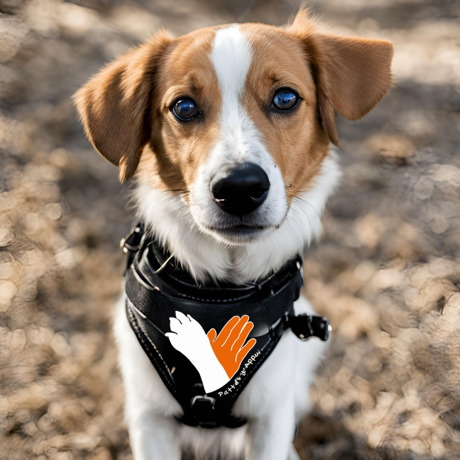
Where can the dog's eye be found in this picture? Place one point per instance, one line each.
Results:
(285, 99)
(185, 109)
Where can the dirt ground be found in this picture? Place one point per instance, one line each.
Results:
(386, 272)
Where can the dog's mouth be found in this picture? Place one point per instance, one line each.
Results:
(240, 232)
(239, 229)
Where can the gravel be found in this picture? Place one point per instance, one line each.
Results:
(386, 272)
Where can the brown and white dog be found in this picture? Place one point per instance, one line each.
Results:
(181, 116)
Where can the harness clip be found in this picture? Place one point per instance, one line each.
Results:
(306, 326)
(203, 411)
(131, 243)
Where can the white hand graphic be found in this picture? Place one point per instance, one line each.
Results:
(188, 337)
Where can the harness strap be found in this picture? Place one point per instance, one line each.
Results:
(199, 409)
(155, 289)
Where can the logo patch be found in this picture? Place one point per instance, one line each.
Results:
(217, 357)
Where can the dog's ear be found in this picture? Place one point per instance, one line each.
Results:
(352, 74)
(114, 105)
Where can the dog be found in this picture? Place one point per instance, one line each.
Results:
(227, 133)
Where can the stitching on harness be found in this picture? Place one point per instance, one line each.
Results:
(143, 337)
(233, 299)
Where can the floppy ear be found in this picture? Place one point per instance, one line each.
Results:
(114, 105)
(352, 74)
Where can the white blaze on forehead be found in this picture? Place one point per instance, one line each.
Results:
(238, 141)
(231, 57)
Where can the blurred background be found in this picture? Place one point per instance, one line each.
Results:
(386, 272)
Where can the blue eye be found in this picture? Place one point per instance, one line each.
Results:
(185, 109)
(285, 99)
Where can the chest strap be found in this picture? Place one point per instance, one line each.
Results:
(156, 289)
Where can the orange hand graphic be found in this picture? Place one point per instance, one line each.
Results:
(228, 346)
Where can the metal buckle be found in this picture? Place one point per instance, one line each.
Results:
(203, 411)
(131, 242)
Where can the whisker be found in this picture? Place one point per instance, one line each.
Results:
(305, 212)
(306, 202)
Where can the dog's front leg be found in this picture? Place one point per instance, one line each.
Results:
(271, 439)
(154, 438)
(149, 407)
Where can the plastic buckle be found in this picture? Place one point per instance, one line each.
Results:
(306, 326)
(321, 327)
(203, 411)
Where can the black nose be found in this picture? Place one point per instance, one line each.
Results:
(242, 191)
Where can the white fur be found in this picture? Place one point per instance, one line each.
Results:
(277, 396)
(204, 257)
(239, 141)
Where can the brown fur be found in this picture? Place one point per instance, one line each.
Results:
(352, 74)
(114, 105)
(127, 106)
(296, 140)
(176, 149)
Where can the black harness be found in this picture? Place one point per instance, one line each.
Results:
(156, 288)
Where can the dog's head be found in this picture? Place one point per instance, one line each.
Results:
(236, 119)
